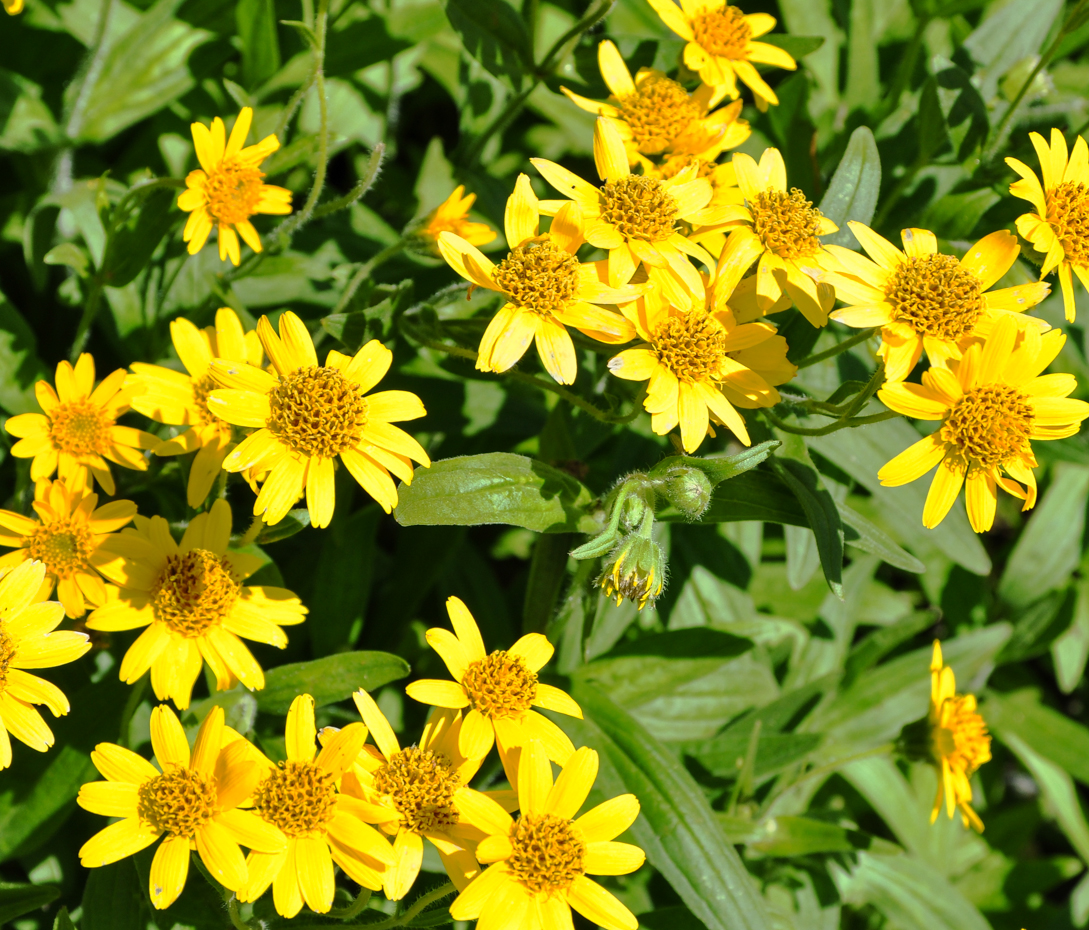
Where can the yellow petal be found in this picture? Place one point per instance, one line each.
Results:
(168, 738)
(300, 733)
(169, 869)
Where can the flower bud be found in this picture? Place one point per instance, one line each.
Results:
(687, 489)
(635, 570)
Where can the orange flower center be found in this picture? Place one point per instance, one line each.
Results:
(202, 387)
(80, 428)
(691, 345)
(658, 113)
(179, 801)
(500, 685)
(547, 856)
(989, 425)
(675, 164)
(539, 276)
(1068, 214)
(421, 783)
(233, 191)
(194, 592)
(936, 296)
(723, 32)
(639, 207)
(317, 412)
(961, 738)
(298, 797)
(65, 546)
(787, 224)
(7, 653)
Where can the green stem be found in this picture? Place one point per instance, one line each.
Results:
(355, 908)
(90, 311)
(364, 184)
(831, 427)
(502, 120)
(398, 920)
(236, 918)
(136, 695)
(904, 71)
(839, 347)
(828, 769)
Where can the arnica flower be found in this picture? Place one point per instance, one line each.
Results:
(542, 860)
(66, 539)
(78, 430)
(452, 216)
(990, 404)
(635, 217)
(300, 798)
(191, 598)
(230, 188)
(720, 44)
(181, 398)
(28, 640)
(636, 570)
(1060, 226)
(924, 300)
(498, 689)
(192, 803)
(306, 415)
(546, 288)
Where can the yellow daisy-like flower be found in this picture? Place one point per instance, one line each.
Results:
(28, 640)
(1060, 226)
(959, 743)
(66, 539)
(635, 217)
(192, 803)
(452, 216)
(13, 6)
(191, 598)
(925, 300)
(546, 287)
(230, 188)
(720, 45)
(542, 860)
(305, 415)
(990, 404)
(498, 689)
(78, 430)
(181, 399)
(300, 798)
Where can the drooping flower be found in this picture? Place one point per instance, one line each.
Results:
(990, 403)
(546, 287)
(1060, 226)
(636, 570)
(925, 300)
(192, 803)
(191, 598)
(65, 538)
(300, 798)
(541, 860)
(452, 216)
(721, 46)
(230, 188)
(498, 690)
(305, 415)
(181, 399)
(78, 430)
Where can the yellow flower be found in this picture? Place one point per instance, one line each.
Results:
(191, 598)
(13, 6)
(66, 539)
(300, 798)
(959, 743)
(546, 288)
(192, 802)
(656, 116)
(78, 430)
(541, 860)
(230, 189)
(499, 689)
(635, 217)
(450, 216)
(720, 44)
(990, 404)
(28, 640)
(1060, 226)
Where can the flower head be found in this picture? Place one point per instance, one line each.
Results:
(990, 403)
(230, 188)
(191, 598)
(78, 431)
(636, 570)
(452, 216)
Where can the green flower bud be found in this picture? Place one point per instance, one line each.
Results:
(914, 742)
(687, 489)
(635, 570)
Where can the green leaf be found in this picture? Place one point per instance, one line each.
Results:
(132, 244)
(493, 34)
(20, 366)
(954, 216)
(16, 899)
(805, 836)
(721, 467)
(754, 495)
(26, 123)
(932, 132)
(1038, 626)
(260, 45)
(114, 899)
(1009, 33)
(1050, 733)
(882, 641)
(330, 679)
(63, 921)
(796, 46)
(1070, 650)
(852, 192)
(547, 571)
(70, 254)
(862, 534)
(774, 751)
(295, 522)
(362, 43)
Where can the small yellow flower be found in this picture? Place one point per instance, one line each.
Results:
(299, 797)
(1060, 226)
(78, 431)
(546, 287)
(66, 539)
(542, 860)
(720, 45)
(230, 188)
(191, 598)
(13, 6)
(452, 216)
(636, 570)
(500, 690)
(192, 802)
(305, 415)
(990, 404)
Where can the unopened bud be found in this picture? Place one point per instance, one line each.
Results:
(635, 570)
(687, 489)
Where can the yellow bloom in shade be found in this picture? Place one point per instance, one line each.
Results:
(990, 404)
(925, 300)
(959, 742)
(191, 598)
(305, 415)
(28, 640)
(13, 6)
(230, 188)
(498, 689)
(546, 288)
(1060, 226)
(452, 216)
(542, 860)
(181, 398)
(66, 539)
(720, 44)
(300, 798)
(192, 803)
(78, 430)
